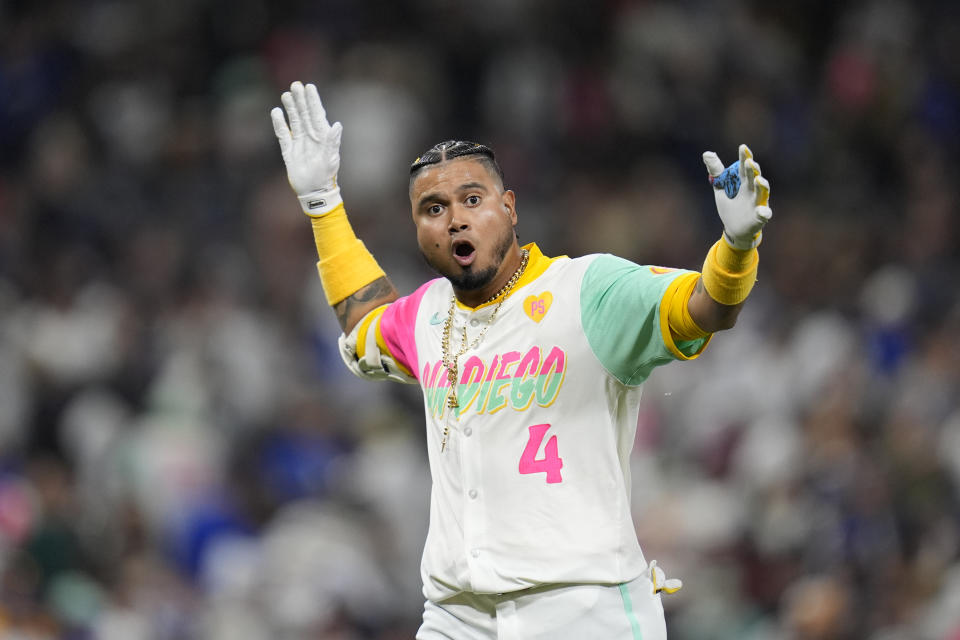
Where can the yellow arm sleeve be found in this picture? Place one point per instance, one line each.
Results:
(345, 265)
(371, 323)
(674, 304)
(372, 318)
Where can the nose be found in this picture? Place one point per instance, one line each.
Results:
(457, 221)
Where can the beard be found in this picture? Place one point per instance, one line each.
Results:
(470, 279)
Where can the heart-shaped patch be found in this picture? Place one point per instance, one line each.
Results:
(537, 306)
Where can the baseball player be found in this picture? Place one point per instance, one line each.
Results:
(531, 369)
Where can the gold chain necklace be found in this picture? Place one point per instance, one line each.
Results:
(451, 362)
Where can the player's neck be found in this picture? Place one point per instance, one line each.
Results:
(507, 270)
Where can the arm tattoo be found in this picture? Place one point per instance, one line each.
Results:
(379, 288)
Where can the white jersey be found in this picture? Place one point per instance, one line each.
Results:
(533, 485)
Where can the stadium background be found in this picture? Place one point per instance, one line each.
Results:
(182, 454)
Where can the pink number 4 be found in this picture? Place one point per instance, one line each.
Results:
(550, 463)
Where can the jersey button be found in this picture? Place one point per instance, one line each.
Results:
(468, 431)
(473, 494)
(474, 322)
(475, 553)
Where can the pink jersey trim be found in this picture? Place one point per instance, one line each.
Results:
(398, 326)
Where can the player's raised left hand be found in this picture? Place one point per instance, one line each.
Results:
(310, 148)
(742, 196)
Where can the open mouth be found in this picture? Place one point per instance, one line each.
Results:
(464, 252)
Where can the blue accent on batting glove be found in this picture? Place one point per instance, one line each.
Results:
(729, 180)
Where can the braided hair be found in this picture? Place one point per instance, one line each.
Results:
(451, 149)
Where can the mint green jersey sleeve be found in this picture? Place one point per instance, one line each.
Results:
(620, 314)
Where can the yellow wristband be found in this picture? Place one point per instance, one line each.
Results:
(345, 265)
(729, 274)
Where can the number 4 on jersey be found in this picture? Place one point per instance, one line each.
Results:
(550, 463)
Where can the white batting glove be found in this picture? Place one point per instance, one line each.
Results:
(310, 149)
(742, 196)
(661, 583)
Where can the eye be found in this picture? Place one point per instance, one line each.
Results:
(434, 210)
(473, 200)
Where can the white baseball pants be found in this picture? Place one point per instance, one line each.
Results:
(629, 611)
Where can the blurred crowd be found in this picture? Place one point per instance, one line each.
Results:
(182, 454)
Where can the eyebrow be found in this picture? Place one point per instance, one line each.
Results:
(436, 197)
(472, 185)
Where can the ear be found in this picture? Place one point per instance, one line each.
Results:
(510, 205)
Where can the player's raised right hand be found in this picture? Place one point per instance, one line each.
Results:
(310, 147)
(742, 196)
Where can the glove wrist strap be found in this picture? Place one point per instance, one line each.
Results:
(321, 202)
(743, 244)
